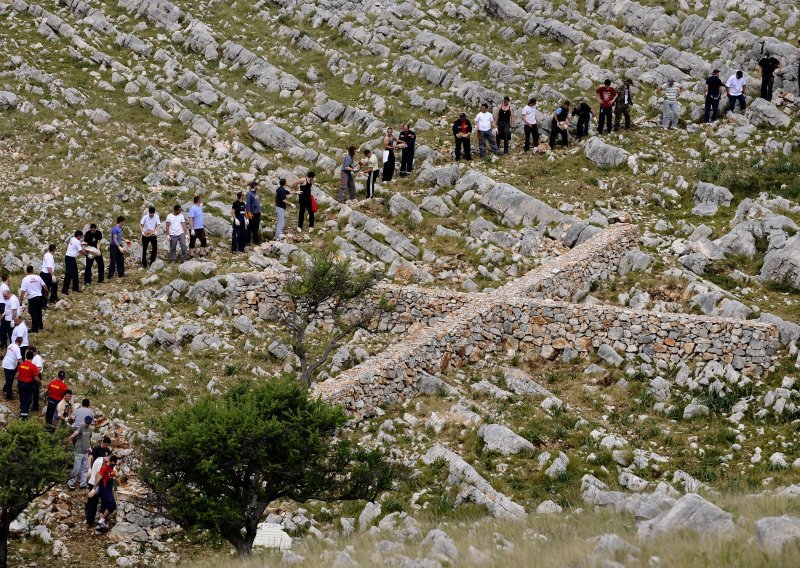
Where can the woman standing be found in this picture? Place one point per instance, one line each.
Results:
(303, 185)
(239, 223)
(409, 138)
(389, 143)
(505, 122)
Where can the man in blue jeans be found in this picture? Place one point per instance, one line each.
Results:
(484, 120)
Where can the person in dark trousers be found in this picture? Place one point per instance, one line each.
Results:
(281, 203)
(38, 360)
(55, 392)
(409, 138)
(737, 87)
(48, 273)
(623, 105)
(607, 95)
(150, 224)
(559, 121)
(372, 171)
(27, 376)
(504, 118)
(96, 461)
(303, 189)
(33, 288)
(92, 238)
(105, 488)
(11, 361)
(347, 185)
(239, 224)
(462, 130)
(768, 68)
(117, 261)
(74, 250)
(713, 90)
(584, 113)
(389, 143)
(531, 127)
(252, 208)
(197, 227)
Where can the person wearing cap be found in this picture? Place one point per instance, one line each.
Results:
(462, 129)
(27, 376)
(623, 105)
(239, 224)
(177, 230)
(713, 92)
(96, 461)
(11, 361)
(55, 392)
(81, 413)
(252, 207)
(32, 289)
(736, 86)
(149, 227)
(93, 238)
(105, 488)
(81, 439)
(768, 68)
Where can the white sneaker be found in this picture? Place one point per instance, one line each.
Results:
(299, 229)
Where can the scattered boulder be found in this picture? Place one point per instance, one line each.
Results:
(689, 512)
(762, 112)
(604, 155)
(498, 438)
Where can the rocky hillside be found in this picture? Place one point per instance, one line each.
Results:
(560, 388)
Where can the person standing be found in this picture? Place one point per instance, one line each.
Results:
(737, 86)
(371, 171)
(48, 274)
(389, 143)
(485, 123)
(409, 138)
(607, 95)
(303, 185)
(81, 413)
(623, 105)
(176, 229)
(281, 202)
(93, 238)
(11, 361)
(11, 309)
(105, 486)
(197, 228)
(559, 121)
(252, 206)
(584, 113)
(149, 227)
(38, 360)
(81, 439)
(21, 331)
(462, 130)
(97, 458)
(713, 91)
(768, 67)
(669, 107)
(504, 118)
(239, 224)
(74, 249)
(117, 248)
(346, 181)
(63, 415)
(27, 376)
(530, 126)
(4, 333)
(32, 288)
(56, 390)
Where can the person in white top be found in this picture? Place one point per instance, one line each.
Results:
(33, 288)
(531, 127)
(484, 120)
(48, 274)
(5, 333)
(11, 360)
(11, 310)
(737, 86)
(150, 224)
(37, 360)
(74, 250)
(177, 230)
(21, 331)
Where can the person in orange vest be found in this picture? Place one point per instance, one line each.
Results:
(27, 377)
(55, 394)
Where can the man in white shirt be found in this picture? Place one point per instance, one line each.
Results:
(150, 224)
(48, 274)
(10, 313)
(177, 229)
(33, 288)
(11, 360)
(484, 120)
(74, 250)
(737, 86)
(37, 360)
(531, 127)
(5, 333)
(20, 331)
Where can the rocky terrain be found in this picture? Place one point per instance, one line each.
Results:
(593, 355)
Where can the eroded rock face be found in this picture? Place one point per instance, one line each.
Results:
(689, 512)
(603, 154)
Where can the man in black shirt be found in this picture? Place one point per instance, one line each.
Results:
(409, 138)
(462, 129)
(584, 113)
(768, 67)
(714, 89)
(92, 238)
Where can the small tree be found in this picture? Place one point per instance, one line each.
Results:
(328, 291)
(31, 462)
(219, 463)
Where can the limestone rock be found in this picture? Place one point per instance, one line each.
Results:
(763, 112)
(689, 512)
(773, 533)
(604, 155)
(499, 438)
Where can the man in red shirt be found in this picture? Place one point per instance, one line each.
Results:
(27, 376)
(105, 487)
(607, 95)
(55, 394)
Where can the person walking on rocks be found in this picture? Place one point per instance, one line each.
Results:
(55, 392)
(117, 250)
(584, 113)
(252, 209)
(305, 199)
(737, 86)
(48, 273)
(27, 377)
(5, 329)
(559, 122)
(21, 331)
(97, 458)
(33, 288)
(484, 120)
(623, 105)
(607, 95)
(105, 487)
(281, 202)
(239, 224)
(150, 224)
(768, 67)
(504, 118)
(713, 91)
(11, 361)
(93, 238)
(81, 439)
(197, 228)
(372, 171)
(409, 140)
(530, 126)
(11, 309)
(347, 184)
(389, 143)
(462, 130)
(80, 413)
(670, 91)
(74, 249)
(63, 416)
(177, 229)
(38, 360)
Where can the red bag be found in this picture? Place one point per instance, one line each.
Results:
(314, 206)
